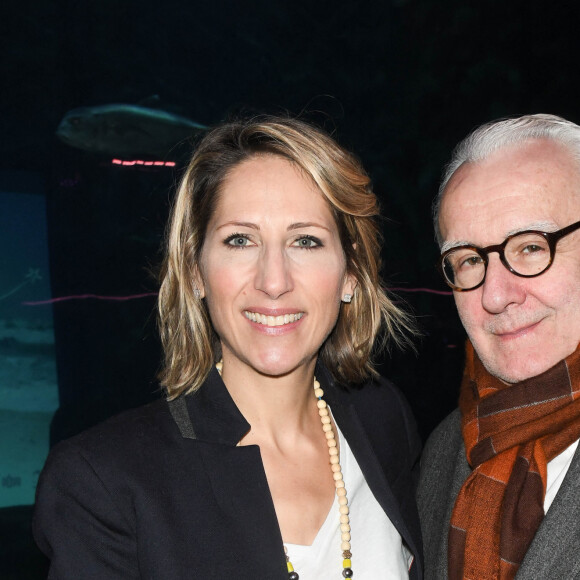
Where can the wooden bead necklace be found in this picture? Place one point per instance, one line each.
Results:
(338, 483)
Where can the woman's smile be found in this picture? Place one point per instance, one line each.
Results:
(269, 320)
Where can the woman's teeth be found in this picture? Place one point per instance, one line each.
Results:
(273, 320)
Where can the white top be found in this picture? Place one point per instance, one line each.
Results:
(377, 547)
(557, 469)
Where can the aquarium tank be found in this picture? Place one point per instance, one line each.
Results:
(28, 380)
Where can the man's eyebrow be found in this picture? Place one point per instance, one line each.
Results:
(454, 244)
(543, 226)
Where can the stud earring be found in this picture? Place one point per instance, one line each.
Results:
(347, 298)
(197, 293)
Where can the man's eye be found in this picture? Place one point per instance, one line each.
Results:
(469, 261)
(532, 249)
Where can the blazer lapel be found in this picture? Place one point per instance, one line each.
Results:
(236, 475)
(240, 487)
(444, 469)
(350, 424)
(461, 472)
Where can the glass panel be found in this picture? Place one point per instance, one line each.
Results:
(28, 384)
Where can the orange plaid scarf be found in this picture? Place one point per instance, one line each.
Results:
(510, 434)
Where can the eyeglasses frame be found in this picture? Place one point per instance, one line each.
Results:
(552, 238)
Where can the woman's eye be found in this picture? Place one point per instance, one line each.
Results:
(237, 241)
(307, 242)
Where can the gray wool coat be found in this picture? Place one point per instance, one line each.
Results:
(555, 551)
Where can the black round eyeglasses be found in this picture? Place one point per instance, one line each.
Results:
(526, 254)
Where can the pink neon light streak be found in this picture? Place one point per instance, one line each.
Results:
(85, 296)
(144, 163)
(147, 294)
(426, 290)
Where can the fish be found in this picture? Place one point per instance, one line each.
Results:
(124, 129)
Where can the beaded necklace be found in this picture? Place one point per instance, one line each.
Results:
(338, 483)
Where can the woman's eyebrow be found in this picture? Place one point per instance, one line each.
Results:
(299, 225)
(239, 224)
(253, 226)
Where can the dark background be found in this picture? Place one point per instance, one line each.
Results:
(399, 82)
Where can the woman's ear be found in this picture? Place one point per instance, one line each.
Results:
(350, 283)
(198, 286)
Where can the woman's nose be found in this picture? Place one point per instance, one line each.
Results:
(273, 275)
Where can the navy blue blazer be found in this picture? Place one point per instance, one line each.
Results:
(163, 492)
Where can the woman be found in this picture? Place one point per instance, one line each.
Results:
(278, 452)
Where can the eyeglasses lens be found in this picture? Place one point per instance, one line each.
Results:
(464, 268)
(528, 254)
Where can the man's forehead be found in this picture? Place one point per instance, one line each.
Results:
(535, 186)
(540, 225)
(531, 160)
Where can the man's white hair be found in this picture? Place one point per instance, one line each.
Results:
(493, 136)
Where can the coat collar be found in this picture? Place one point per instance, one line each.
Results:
(214, 414)
(216, 418)
(549, 554)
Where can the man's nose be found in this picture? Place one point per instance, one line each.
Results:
(273, 276)
(501, 288)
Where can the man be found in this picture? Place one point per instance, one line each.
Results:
(499, 495)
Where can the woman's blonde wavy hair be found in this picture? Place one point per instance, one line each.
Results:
(190, 344)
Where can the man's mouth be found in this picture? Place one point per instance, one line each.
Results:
(273, 320)
(513, 332)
